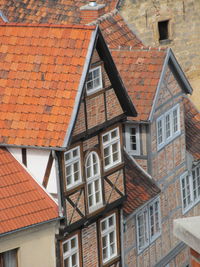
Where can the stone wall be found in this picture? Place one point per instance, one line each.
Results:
(183, 29)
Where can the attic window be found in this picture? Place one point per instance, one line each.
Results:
(163, 28)
(94, 80)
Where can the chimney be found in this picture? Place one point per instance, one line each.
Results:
(91, 12)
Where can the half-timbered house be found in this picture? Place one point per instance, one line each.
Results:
(62, 108)
(156, 140)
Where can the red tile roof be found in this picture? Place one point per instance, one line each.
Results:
(116, 32)
(40, 71)
(22, 201)
(192, 128)
(139, 187)
(140, 71)
(56, 12)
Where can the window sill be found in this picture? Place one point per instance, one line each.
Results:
(186, 210)
(165, 42)
(113, 168)
(74, 188)
(167, 142)
(111, 261)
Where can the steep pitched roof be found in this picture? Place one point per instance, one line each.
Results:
(116, 32)
(55, 12)
(139, 187)
(22, 201)
(41, 67)
(140, 71)
(192, 128)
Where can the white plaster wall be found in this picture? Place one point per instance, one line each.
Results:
(16, 152)
(37, 160)
(36, 246)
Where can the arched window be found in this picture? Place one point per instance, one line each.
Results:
(93, 177)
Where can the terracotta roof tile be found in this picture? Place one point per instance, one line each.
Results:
(22, 201)
(137, 69)
(45, 11)
(139, 187)
(192, 127)
(33, 94)
(116, 32)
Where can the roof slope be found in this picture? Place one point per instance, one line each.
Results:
(116, 32)
(22, 201)
(56, 12)
(139, 187)
(40, 71)
(140, 71)
(192, 127)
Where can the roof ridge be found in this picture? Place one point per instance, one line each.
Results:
(48, 25)
(143, 48)
(104, 17)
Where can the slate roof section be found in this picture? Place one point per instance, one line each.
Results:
(192, 128)
(140, 71)
(116, 32)
(139, 187)
(40, 71)
(51, 11)
(22, 201)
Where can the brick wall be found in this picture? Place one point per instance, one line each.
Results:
(195, 258)
(143, 16)
(168, 164)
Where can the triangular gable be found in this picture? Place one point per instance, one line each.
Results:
(178, 73)
(99, 44)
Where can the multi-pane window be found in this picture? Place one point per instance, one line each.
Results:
(168, 126)
(148, 224)
(71, 252)
(72, 167)
(9, 258)
(196, 183)
(133, 139)
(94, 80)
(94, 190)
(154, 219)
(108, 238)
(186, 191)
(142, 228)
(111, 148)
(190, 187)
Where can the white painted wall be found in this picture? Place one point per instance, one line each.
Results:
(36, 245)
(37, 160)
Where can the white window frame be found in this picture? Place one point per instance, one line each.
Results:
(190, 189)
(9, 257)
(97, 88)
(72, 251)
(128, 139)
(162, 120)
(109, 145)
(91, 180)
(70, 162)
(196, 181)
(147, 224)
(107, 234)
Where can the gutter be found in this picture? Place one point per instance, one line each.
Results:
(31, 226)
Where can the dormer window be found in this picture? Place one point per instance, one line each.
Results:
(94, 80)
(133, 139)
(72, 167)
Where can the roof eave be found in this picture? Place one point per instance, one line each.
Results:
(80, 90)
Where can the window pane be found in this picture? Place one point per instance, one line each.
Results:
(111, 221)
(66, 246)
(74, 260)
(114, 134)
(73, 243)
(66, 262)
